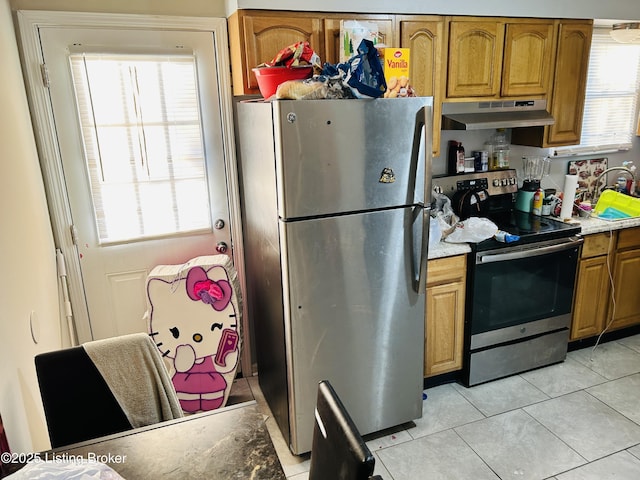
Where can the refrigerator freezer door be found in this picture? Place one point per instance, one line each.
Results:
(337, 156)
(353, 317)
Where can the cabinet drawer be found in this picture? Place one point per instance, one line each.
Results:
(446, 269)
(629, 238)
(598, 244)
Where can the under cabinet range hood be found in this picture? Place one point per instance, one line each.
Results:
(495, 114)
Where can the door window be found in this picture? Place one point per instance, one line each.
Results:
(141, 129)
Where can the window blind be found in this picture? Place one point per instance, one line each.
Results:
(609, 120)
(144, 153)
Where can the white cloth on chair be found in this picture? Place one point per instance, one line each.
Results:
(134, 371)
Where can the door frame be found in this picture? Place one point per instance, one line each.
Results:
(29, 23)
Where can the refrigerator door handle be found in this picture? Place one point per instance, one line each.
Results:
(421, 132)
(421, 282)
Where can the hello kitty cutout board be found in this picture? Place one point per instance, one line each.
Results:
(194, 317)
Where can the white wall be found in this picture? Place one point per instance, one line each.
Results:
(196, 8)
(610, 9)
(28, 283)
(616, 9)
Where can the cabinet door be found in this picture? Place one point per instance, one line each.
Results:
(426, 38)
(626, 309)
(444, 330)
(444, 320)
(475, 58)
(256, 38)
(333, 41)
(591, 298)
(528, 60)
(569, 85)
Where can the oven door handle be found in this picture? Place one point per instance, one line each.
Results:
(488, 257)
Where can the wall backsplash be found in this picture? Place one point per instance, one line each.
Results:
(475, 139)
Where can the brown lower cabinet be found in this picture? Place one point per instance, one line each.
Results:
(608, 283)
(444, 322)
(626, 280)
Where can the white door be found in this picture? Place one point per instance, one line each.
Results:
(138, 121)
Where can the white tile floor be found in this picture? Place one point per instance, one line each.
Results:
(578, 420)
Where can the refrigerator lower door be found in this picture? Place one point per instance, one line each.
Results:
(353, 317)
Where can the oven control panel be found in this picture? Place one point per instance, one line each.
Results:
(473, 184)
(495, 182)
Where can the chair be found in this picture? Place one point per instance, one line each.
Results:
(338, 452)
(104, 387)
(78, 403)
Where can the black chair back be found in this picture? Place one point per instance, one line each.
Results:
(78, 403)
(338, 452)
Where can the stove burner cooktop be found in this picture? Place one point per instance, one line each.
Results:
(531, 228)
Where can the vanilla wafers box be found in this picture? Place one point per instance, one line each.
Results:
(395, 62)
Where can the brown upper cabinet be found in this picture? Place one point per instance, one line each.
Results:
(496, 57)
(475, 57)
(426, 37)
(452, 58)
(569, 83)
(528, 58)
(257, 37)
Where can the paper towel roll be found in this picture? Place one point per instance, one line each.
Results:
(568, 196)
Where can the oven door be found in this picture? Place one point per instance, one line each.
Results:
(522, 291)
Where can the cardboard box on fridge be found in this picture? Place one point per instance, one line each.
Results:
(352, 32)
(395, 62)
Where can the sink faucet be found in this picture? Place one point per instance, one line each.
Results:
(626, 170)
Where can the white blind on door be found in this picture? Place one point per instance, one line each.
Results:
(143, 146)
(611, 98)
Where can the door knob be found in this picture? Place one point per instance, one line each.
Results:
(222, 247)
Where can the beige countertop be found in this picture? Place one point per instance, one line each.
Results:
(588, 225)
(595, 225)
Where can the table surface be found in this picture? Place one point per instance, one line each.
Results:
(229, 443)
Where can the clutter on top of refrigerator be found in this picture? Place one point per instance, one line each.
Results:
(362, 74)
(294, 62)
(371, 70)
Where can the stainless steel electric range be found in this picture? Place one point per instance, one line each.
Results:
(519, 295)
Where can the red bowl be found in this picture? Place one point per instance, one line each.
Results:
(270, 77)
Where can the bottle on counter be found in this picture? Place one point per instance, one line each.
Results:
(538, 199)
(455, 158)
(499, 159)
(481, 160)
(488, 147)
(452, 157)
(460, 166)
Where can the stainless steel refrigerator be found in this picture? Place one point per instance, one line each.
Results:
(335, 227)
